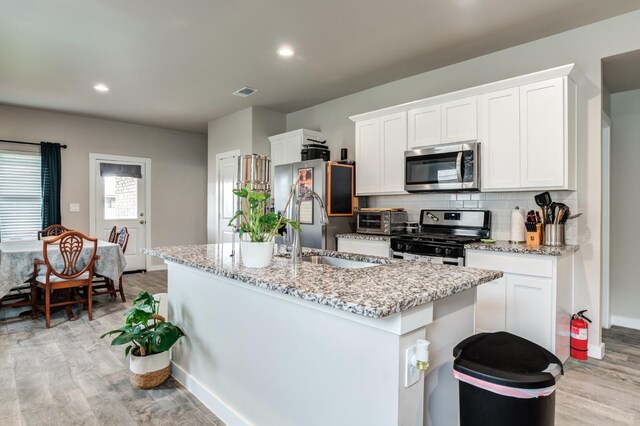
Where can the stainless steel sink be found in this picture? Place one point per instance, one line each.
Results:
(337, 262)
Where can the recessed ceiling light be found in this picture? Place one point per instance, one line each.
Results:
(286, 51)
(101, 87)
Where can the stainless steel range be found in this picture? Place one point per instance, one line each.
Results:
(442, 236)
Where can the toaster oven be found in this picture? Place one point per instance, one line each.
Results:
(381, 222)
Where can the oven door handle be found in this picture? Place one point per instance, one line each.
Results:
(459, 166)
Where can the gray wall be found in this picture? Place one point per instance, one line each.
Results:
(178, 167)
(584, 46)
(246, 130)
(625, 204)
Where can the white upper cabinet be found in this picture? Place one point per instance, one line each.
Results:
(368, 159)
(393, 131)
(526, 127)
(285, 147)
(499, 126)
(380, 146)
(542, 133)
(424, 127)
(460, 120)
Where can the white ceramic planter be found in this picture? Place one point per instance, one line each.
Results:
(257, 255)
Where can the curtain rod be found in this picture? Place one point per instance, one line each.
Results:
(28, 143)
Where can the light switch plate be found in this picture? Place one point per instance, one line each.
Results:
(411, 374)
(74, 207)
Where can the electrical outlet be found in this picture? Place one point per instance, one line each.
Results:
(411, 374)
(74, 207)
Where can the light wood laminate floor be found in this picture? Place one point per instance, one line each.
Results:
(66, 375)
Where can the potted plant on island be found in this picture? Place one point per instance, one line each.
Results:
(149, 338)
(257, 228)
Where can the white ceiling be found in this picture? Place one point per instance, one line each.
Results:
(175, 63)
(622, 72)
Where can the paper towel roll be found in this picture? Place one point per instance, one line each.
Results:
(517, 226)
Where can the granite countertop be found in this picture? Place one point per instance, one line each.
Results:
(368, 237)
(393, 286)
(507, 247)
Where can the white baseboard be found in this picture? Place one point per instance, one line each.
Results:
(623, 321)
(152, 268)
(596, 351)
(210, 400)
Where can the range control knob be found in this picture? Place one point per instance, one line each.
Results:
(448, 252)
(438, 250)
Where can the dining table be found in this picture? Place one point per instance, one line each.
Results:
(17, 257)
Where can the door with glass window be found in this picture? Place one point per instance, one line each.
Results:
(120, 201)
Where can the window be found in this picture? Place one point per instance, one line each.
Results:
(20, 196)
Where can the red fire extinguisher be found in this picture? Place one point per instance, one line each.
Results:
(579, 335)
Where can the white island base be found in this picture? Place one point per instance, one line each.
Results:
(254, 356)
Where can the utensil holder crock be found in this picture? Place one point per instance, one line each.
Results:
(554, 235)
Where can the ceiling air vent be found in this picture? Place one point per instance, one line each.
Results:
(245, 91)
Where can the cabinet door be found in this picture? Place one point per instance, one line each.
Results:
(542, 134)
(529, 313)
(499, 124)
(460, 120)
(393, 131)
(424, 127)
(279, 153)
(368, 157)
(491, 299)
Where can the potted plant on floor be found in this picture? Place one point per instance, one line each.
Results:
(257, 228)
(149, 338)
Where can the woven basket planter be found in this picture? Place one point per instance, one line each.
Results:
(149, 371)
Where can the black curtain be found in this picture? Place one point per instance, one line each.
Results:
(50, 181)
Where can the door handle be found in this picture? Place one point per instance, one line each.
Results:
(142, 222)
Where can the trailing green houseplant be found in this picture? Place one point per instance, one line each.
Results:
(259, 225)
(148, 338)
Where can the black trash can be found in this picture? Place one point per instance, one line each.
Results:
(505, 380)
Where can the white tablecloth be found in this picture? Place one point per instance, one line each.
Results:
(16, 261)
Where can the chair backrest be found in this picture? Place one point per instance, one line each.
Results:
(122, 239)
(113, 234)
(52, 231)
(70, 244)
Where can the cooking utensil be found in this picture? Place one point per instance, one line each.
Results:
(543, 199)
(561, 214)
(574, 216)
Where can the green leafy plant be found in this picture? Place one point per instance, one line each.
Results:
(145, 331)
(260, 226)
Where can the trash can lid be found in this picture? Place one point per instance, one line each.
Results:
(508, 360)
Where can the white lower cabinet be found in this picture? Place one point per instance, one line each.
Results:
(364, 247)
(534, 298)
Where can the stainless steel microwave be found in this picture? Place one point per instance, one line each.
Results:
(451, 167)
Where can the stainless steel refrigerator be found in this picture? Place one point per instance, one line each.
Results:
(334, 183)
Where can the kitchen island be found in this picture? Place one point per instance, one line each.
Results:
(318, 344)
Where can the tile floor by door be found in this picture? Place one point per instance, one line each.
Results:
(68, 376)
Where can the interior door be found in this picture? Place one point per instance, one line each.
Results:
(227, 175)
(120, 201)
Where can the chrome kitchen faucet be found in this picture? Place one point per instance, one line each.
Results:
(297, 249)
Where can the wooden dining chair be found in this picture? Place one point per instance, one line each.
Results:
(103, 285)
(71, 275)
(52, 231)
(113, 234)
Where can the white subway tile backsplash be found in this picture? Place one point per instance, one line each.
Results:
(500, 204)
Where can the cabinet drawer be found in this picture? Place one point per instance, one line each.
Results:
(523, 264)
(365, 247)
